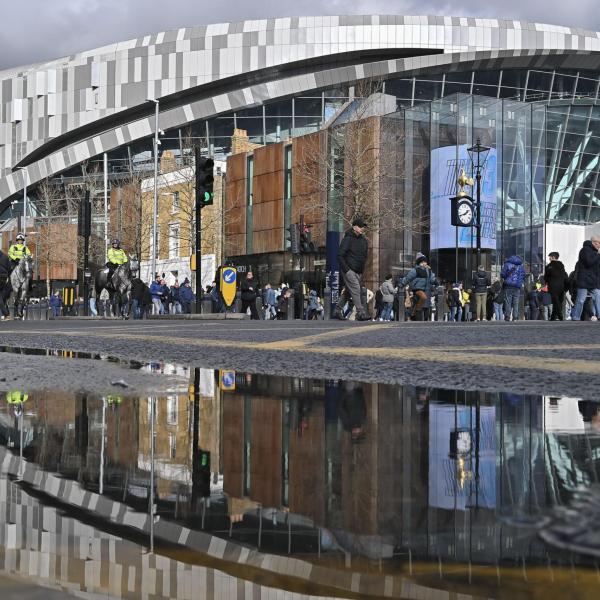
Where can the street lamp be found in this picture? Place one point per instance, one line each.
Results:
(478, 164)
(155, 209)
(24, 172)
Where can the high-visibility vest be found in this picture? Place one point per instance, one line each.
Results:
(18, 251)
(117, 256)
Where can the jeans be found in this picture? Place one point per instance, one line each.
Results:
(511, 303)
(386, 313)
(456, 313)
(175, 308)
(93, 311)
(55, 311)
(498, 311)
(136, 309)
(157, 306)
(581, 296)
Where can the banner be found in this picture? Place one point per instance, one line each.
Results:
(446, 163)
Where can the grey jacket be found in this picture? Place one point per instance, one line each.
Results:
(388, 290)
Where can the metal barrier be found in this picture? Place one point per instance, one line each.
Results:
(37, 312)
(401, 310)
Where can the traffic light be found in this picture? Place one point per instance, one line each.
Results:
(294, 238)
(306, 244)
(84, 217)
(204, 473)
(204, 179)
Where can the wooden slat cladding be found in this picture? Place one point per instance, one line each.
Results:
(268, 192)
(309, 168)
(235, 205)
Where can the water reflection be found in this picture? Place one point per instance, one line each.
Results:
(349, 477)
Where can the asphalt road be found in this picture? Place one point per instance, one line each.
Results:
(523, 357)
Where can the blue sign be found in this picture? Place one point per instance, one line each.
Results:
(227, 380)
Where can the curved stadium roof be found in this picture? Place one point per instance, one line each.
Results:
(60, 113)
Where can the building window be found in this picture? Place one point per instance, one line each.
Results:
(175, 206)
(174, 232)
(172, 445)
(171, 410)
(287, 191)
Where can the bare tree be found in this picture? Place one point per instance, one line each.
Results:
(359, 169)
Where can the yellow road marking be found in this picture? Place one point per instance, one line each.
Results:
(424, 354)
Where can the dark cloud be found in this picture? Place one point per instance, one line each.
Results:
(38, 30)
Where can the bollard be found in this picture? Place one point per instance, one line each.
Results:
(439, 304)
(259, 308)
(237, 304)
(291, 306)
(207, 305)
(327, 303)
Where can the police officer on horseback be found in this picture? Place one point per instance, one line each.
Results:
(18, 250)
(116, 257)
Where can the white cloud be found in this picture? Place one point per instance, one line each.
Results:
(36, 30)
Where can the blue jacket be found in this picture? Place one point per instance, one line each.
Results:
(186, 294)
(156, 290)
(56, 301)
(270, 299)
(419, 278)
(513, 272)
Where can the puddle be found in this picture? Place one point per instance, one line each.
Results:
(310, 487)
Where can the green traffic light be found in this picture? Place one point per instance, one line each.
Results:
(208, 198)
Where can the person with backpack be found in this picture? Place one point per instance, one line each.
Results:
(421, 280)
(481, 282)
(513, 275)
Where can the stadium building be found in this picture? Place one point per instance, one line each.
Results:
(530, 91)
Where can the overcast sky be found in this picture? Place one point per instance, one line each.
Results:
(37, 30)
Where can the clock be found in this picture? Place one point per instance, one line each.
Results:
(464, 212)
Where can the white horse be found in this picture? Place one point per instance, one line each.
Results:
(19, 282)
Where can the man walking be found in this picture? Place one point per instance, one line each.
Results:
(421, 280)
(557, 280)
(513, 275)
(352, 256)
(248, 289)
(588, 276)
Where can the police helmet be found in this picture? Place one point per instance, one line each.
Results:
(116, 242)
(21, 236)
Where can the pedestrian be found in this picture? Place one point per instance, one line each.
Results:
(4, 276)
(314, 310)
(175, 302)
(105, 303)
(545, 303)
(481, 282)
(186, 297)
(138, 287)
(388, 291)
(56, 304)
(352, 257)
(248, 289)
(534, 302)
(557, 280)
(165, 297)
(156, 291)
(92, 303)
(216, 300)
(512, 275)
(269, 302)
(457, 302)
(587, 277)
(282, 303)
(408, 302)
(467, 305)
(498, 299)
(421, 280)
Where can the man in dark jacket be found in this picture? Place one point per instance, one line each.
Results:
(248, 289)
(4, 275)
(421, 280)
(588, 276)
(557, 280)
(138, 287)
(352, 256)
(513, 275)
(481, 282)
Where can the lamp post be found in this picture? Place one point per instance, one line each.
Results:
(24, 172)
(479, 150)
(155, 208)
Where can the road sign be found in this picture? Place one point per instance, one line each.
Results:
(227, 380)
(228, 284)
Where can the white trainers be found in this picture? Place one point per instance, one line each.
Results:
(594, 318)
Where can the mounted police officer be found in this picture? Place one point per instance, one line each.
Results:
(116, 257)
(18, 250)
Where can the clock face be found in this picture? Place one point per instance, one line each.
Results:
(465, 213)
